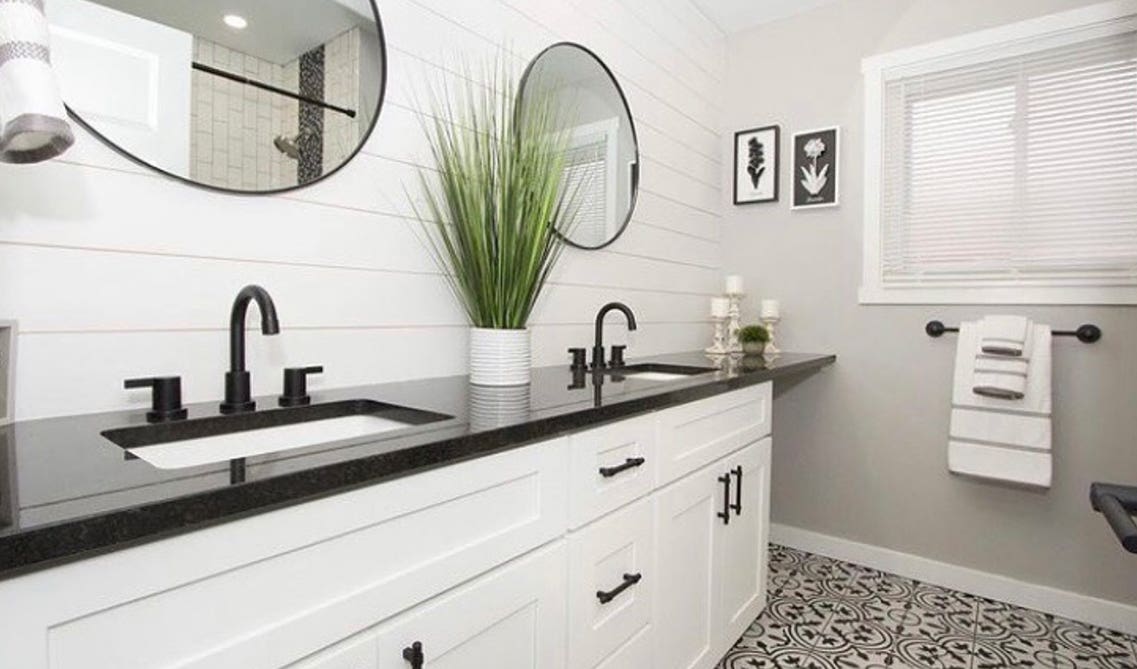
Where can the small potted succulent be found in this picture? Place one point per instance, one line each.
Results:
(753, 338)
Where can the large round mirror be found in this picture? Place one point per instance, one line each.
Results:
(252, 96)
(603, 162)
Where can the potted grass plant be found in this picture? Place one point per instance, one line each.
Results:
(491, 210)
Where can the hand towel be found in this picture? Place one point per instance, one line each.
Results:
(1002, 439)
(33, 121)
(1004, 335)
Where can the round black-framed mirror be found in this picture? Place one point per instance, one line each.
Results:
(249, 97)
(604, 158)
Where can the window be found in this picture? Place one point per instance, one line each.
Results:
(1001, 167)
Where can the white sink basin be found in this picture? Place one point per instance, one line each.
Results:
(657, 376)
(225, 447)
(204, 441)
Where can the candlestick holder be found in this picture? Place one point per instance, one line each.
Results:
(734, 326)
(771, 350)
(719, 345)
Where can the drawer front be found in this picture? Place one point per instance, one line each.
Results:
(696, 434)
(609, 467)
(287, 605)
(610, 583)
(358, 652)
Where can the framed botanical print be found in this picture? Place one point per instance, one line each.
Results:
(756, 164)
(815, 177)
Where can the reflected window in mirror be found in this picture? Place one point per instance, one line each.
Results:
(602, 164)
(251, 96)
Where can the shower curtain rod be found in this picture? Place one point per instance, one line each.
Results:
(209, 69)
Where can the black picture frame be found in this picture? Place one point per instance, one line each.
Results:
(749, 188)
(816, 173)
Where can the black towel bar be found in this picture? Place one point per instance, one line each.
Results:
(1087, 334)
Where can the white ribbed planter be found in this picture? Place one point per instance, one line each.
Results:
(499, 357)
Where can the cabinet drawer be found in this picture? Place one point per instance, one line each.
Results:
(696, 434)
(610, 583)
(609, 467)
(358, 652)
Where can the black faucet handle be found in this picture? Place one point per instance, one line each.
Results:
(618, 356)
(296, 386)
(579, 358)
(166, 397)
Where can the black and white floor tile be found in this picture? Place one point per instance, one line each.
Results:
(827, 614)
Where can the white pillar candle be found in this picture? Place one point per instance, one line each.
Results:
(771, 309)
(720, 307)
(734, 284)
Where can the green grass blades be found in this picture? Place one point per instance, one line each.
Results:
(496, 199)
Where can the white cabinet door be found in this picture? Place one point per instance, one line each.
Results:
(357, 652)
(741, 544)
(610, 584)
(511, 618)
(684, 613)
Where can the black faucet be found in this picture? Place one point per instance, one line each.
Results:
(238, 398)
(598, 349)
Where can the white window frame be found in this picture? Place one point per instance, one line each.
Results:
(1051, 31)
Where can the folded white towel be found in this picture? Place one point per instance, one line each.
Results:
(1003, 335)
(33, 121)
(998, 376)
(1002, 439)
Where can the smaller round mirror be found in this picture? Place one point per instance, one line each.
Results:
(602, 166)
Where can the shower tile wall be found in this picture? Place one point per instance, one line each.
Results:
(341, 88)
(234, 125)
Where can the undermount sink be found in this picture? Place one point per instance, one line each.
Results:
(652, 371)
(203, 441)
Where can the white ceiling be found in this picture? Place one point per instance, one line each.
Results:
(736, 15)
(279, 30)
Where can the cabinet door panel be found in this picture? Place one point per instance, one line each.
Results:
(683, 613)
(635, 654)
(510, 618)
(742, 544)
(601, 556)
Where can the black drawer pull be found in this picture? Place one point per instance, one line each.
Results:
(414, 655)
(725, 513)
(629, 581)
(737, 506)
(630, 463)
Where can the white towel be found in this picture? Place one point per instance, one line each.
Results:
(1002, 376)
(1002, 439)
(33, 121)
(1003, 335)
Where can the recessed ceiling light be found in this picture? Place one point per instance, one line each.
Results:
(236, 22)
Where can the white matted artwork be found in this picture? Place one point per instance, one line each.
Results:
(756, 165)
(815, 174)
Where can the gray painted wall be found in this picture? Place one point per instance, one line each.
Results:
(861, 448)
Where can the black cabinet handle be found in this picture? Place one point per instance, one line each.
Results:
(414, 655)
(737, 506)
(725, 513)
(630, 463)
(629, 581)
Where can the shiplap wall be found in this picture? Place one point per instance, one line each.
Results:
(114, 272)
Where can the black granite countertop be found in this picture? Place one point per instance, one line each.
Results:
(68, 493)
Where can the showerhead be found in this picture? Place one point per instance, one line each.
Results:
(289, 146)
(292, 145)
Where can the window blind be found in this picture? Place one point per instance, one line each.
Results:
(1017, 171)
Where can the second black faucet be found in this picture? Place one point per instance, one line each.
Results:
(598, 361)
(238, 396)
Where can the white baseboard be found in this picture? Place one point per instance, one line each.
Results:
(1092, 610)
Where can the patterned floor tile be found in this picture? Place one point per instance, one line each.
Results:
(828, 614)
